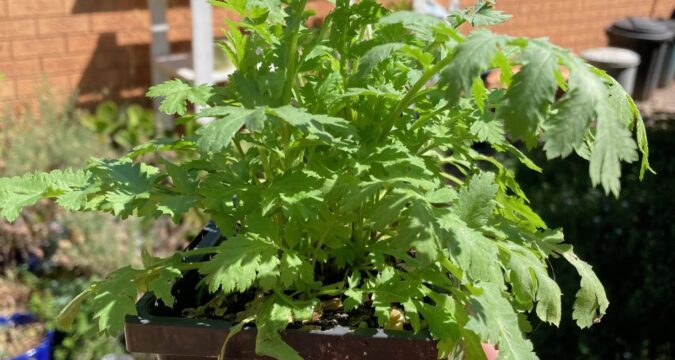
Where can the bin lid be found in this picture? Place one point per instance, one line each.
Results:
(643, 28)
(611, 57)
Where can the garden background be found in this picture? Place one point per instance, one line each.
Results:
(73, 74)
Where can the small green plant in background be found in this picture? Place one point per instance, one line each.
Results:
(125, 127)
(68, 250)
(324, 169)
(49, 295)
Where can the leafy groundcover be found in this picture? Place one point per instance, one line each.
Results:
(323, 163)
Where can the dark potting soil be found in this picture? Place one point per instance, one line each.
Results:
(193, 301)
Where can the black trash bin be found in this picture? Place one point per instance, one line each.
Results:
(649, 38)
(668, 70)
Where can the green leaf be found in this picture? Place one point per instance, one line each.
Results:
(476, 200)
(488, 128)
(389, 209)
(567, 126)
(374, 56)
(115, 298)
(472, 57)
(64, 320)
(159, 145)
(643, 145)
(613, 140)
(495, 320)
(217, 135)
(419, 230)
(21, 191)
(420, 25)
(322, 127)
(484, 14)
(475, 254)
(176, 93)
(162, 285)
(591, 301)
(236, 266)
(442, 324)
(479, 93)
(531, 93)
(275, 314)
(295, 270)
(530, 281)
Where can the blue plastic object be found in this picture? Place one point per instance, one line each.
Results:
(43, 350)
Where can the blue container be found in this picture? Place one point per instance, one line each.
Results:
(43, 351)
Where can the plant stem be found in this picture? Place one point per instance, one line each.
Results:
(243, 158)
(201, 251)
(293, 56)
(408, 98)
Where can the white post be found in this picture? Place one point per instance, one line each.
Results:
(202, 41)
(159, 47)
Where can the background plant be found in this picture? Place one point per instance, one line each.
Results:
(324, 170)
(66, 250)
(634, 232)
(125, 127)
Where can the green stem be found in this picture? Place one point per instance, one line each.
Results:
(201, 251)
(410, 96)
(452, 178)
(293, 57)
(252, 174)
(419, 122)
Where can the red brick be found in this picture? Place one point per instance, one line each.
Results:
(17, 28)
(59, 83)
(116, 21)
(5, 51)
(133, 37)
(14, 68)
(82, 43)
(7, 89)
(64, 25)
(41, 46)
(35, 7)
(3, 8)
(67, 63)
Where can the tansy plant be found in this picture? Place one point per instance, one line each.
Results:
(340, 166)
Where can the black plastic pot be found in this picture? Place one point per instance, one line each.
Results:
(173, 338)
(177, 338)
(648, 38)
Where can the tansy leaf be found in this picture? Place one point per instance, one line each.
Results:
(567, 126)
(476, 200)
(472, 57)
(375, 56)
(21, 191)
(115, 298)
(236, 266)
(177, 93)
(531, 93)
(475, 254)
(484, 14)
(162, 285)
(496, 321)
(591, 301)
(613, 141)
(217, 134)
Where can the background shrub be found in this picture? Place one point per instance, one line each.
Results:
(628, 240)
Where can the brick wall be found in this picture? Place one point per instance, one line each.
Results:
(101, 47)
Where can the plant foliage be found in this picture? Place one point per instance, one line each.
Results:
(325, 163)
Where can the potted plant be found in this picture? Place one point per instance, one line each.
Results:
(342, 169)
